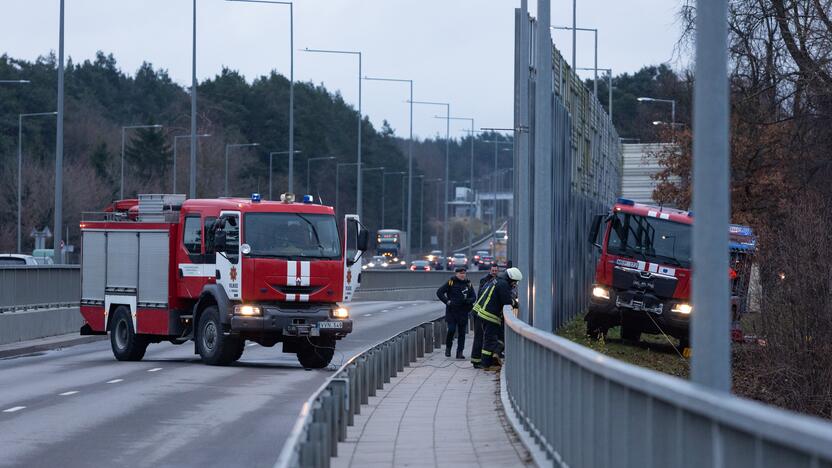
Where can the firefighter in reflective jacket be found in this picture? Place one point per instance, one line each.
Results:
(489, 308)
(458, 295)
(476, 348)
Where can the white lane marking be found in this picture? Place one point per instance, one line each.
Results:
(116, 381)
(368, 315)
(251, 344)
(14, 409)
(71, 392)
(155, 369)
(400, 307)
(386, 310)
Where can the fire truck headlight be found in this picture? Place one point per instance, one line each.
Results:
(341, 313)
(685, 309)
(246, 310)
(600, 292)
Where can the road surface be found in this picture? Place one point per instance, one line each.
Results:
(79, 407)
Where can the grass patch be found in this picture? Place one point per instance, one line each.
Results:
(653, 351)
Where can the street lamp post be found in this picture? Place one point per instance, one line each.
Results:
(57, 243)
(382, 190)
(309, 170)
(192, 175)
(437, 181)
(123, 129)
(447, 161)
(175, 140)
(574, 65)
(227, 148)
(409, 160)
(470, 179)
(20, 167)
(609, 86)
(291, 154)
(358, 201)
(337, 180)
(291, 86)
(672, 103)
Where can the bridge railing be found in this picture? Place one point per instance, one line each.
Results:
(28, 287)
(585, 409)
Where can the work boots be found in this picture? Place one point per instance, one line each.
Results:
(459, 354)
(447, 350)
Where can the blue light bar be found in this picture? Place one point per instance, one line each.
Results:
(625, 201)
(255, 198)
(308, 199)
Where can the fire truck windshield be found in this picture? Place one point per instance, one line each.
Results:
(650, 239)
(292, 235)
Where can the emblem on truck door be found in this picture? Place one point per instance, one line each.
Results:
(233, 273)
(349, 276)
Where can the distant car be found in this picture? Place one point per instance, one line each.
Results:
(458, 260)
(485, 262)
(396, 263)
(420, 265)
(378, 262)
(478, 255)
(17, 260)
(436, 259)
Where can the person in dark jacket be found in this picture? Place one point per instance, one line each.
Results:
(476, 348)
(489, 308)
(458, 295)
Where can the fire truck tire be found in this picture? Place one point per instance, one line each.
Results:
(316, 354)
(215, 348)
(126, 344)
(630, 333)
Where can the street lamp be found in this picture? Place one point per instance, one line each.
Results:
(409, 158)
(337, 180)
(227, 148)
(20, 166)
(358, 161)
(176, 139)
(368, 169)
(609, 86)
(290, 153)
(14, 81)
(447, 160)
(672, 103)
(291, 86)
(309, 170)
(574, 65)
(471, 179)
(123, 129)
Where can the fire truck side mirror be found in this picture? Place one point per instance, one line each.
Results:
(363, 239)
(594, 229)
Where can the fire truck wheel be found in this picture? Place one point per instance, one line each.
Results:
(630, 333)
(316, 354)
(215, 348)
(126, 344)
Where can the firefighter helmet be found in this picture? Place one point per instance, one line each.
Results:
(514, 274)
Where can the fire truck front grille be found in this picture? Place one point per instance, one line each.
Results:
(297, 289)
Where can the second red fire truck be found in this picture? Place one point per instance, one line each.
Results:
(219, 272)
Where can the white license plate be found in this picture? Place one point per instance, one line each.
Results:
(330, 324)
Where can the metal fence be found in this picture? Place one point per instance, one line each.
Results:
(326, 414)
(27, 287)
(585, 409)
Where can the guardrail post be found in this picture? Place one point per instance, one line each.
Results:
(420, 342)
(372, 373)
(352, 393)
(365, 383)
(428, 338)
(388, 364)
(341, 392)
(380, 369)
(402, 349)
(437, 328)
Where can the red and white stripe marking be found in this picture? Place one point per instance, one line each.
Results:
(297, 274)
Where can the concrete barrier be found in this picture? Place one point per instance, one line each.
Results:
(41, 323)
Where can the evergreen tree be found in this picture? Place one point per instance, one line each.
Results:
(100, 159)
(148, 153)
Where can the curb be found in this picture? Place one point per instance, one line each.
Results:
(538, 456)
(47, 346)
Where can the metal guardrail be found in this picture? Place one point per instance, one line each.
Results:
(41, 286)
(585, 409)
(324, 418)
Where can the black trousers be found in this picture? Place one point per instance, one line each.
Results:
(476, 348)
(457, 324)
(491, 343)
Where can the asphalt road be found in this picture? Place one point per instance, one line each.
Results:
(79, 407)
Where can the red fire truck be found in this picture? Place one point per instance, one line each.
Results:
(643, 277)
(220, 272)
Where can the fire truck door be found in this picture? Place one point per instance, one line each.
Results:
(355, 240)
(227, 246)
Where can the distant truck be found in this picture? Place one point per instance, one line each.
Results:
(219, 272)
(392, 243)
(643, 276)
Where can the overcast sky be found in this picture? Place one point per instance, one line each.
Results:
(459, 51)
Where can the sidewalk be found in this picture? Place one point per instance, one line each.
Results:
(439, 412)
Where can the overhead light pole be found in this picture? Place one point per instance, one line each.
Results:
(291, 163)
(447, 162)
(192, 175)
(57, 242)
(123, 129)
(229, 147)
(436, 180)
(574, 65)
(609, 86)
(309, 170)
(672, 103)
(421, 208)
(409, 160)
(359, 195)
(384, 176)
(291, 85)
(20, 118)
(175, 140)
(494, 184)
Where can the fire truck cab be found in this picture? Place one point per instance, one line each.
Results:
(220, 272)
